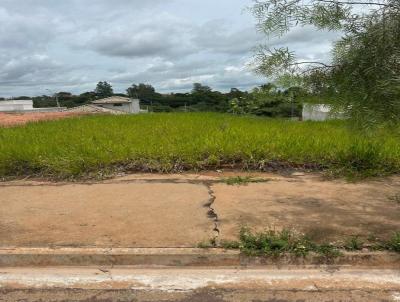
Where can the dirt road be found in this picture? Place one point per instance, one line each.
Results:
(184, 210)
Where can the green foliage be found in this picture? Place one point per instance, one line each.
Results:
(142, 91)
(273, 243)
(277, 243)
(66, 99)
(394, 243)
(164, 142)
(103, 90)
(242, 180)
(354, 243)
(267, 100)
(329, 251)
(200, 99)
(230, 245)
(363, 79)
(367, 72)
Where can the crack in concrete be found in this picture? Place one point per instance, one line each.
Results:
(211, 213)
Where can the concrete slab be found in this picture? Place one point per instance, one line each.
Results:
(207, 284)
(104, 215)
(187, 257)
(325, 210)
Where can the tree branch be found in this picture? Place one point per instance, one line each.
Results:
(311, 62)
(353, 2)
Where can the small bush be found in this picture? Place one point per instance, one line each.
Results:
(230, 245)
(329, 251)
(354, 244)
(394, 243)
(273, 243)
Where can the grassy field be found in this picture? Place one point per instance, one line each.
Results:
(97, 145)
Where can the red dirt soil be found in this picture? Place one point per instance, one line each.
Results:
(13, 119)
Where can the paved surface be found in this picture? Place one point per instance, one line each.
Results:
(183, 210)
(214, 285)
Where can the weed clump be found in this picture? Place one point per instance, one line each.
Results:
(273, 243)
(242, 180)
(354, 243)
(394, 243)
(276, 243)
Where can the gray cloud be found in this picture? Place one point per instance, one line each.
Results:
(216, 37)
(72, 44)
(144, 40)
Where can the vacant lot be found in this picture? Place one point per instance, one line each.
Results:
(97, 145)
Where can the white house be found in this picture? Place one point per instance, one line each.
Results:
(319, 112)
(118, 103)
(16, 105)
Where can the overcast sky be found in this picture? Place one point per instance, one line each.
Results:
(70, 45)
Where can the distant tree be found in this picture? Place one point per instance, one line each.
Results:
(199, 88)
(104, 90)
(142, 91)
(267, 100)
(22, 97)
(235, 93)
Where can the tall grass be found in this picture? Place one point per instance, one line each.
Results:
(170, 142)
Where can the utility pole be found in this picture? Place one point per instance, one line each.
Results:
(55, 95)
(58, 103)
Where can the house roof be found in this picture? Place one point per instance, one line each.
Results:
(113, 100)
(89, 108)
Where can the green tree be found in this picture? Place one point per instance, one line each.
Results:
(145, 91)
(363, 77)
(104, 90)
(199, 88)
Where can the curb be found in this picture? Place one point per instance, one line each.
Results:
(178, 257)
(184, 257)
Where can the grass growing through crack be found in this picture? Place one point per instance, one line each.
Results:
(97, 145)
(354, 243)
(276, 243)
(242, 180)
(394, 243)
(395, 198)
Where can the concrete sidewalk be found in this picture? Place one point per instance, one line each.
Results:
(149, 210)
(201, 284)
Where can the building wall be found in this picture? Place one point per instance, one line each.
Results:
(318, 112)
(16, 105)
(133, 108)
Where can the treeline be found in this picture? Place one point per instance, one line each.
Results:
(266, 100)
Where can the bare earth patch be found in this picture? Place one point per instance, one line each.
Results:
(106, 215)
(154, 210)
(324, 210)
(13, 119)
